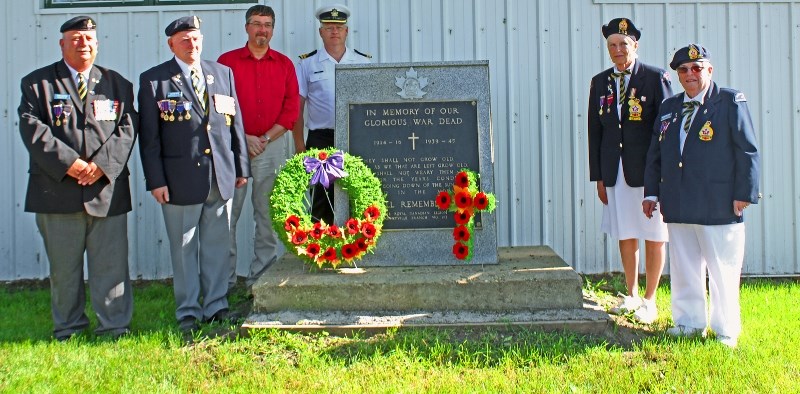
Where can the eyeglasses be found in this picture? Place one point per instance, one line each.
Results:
(259, 25)
(333, 28)
(694, 69)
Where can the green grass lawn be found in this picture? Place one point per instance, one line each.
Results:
(628, 358)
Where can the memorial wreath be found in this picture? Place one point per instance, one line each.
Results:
(464, 200)
(323, 243)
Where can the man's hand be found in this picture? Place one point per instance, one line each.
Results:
(161, 194)
(86, 173)
(601, 193)
(76, 168)
(255, 145)
(648, 207)
(739, 206)
(240, 182)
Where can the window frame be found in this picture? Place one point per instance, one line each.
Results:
(136, 4)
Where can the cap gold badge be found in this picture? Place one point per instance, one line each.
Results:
(693, 52)
(623, 27)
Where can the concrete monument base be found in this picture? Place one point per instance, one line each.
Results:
(531, 286)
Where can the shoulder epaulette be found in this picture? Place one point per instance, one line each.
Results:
(368, 56)
(312, 53)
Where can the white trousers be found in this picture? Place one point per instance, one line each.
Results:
(719, 251)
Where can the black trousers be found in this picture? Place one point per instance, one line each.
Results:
(321, 198)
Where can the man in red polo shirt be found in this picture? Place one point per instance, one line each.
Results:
(266, 85)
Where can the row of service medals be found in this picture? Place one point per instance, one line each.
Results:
(635, 106)
(61, 111)
(169, 107)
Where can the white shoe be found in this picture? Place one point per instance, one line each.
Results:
(646, 313)
(683, 331)
(730, 342)
(626, 304)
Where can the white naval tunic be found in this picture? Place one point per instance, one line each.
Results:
(315, 77)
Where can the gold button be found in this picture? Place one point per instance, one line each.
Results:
(620, 126)
(208, 127)
(680, 164)
(207, 151)
(620, 144)
(198, 164)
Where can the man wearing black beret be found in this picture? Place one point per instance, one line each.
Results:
(79, 126)
(623, 103)
(703, 168)
(194, 154)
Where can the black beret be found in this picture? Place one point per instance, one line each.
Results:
(334, 13)
(690, 53)
(82, 23)
(183, 24)
(621, 26)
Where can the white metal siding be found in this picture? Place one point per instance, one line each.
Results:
(542, 55)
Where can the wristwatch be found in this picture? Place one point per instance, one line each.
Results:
(267, 137)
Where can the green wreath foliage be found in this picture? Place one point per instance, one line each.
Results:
(326, 244)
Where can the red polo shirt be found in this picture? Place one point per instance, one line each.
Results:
(266, 88)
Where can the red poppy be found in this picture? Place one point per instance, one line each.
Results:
(317, 231)
(463, 200)
(323, 155)
(462, 179)
(291, 223)
(372, 213)
(461, 233)
(349, 251)
(362, 244)
(299, 237)
(330, 254)
(333, 231)
(460, 250)
(443, 200)
(481, 201)
(462, 217)
(368, 229)
(312, 250)
(352, 226)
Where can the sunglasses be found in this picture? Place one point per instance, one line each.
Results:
(694, 69)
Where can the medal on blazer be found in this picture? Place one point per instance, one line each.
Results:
(180, 110)
(163, 107)
(105, 109)
(609, 99)
(67, 112)
(634, 107)
(706, 133)
(225, 105)
(58, 109)
(664, 127)
(602, 103)
(187, 106)
(172, 105)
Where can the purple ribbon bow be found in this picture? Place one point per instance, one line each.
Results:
(325, 171)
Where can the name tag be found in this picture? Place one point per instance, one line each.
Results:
(665, 117)
(59, 96)
(224, 104)
(174, 95)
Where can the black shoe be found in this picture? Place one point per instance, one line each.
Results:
(188, 324)
(116, 335)
(225, 316)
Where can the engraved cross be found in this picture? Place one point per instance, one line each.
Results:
(413, 139)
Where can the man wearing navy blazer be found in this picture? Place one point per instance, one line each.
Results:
(703, 169)
(193, 154)
(79, 126)
(623, 104)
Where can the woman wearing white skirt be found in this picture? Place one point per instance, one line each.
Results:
(623, 105)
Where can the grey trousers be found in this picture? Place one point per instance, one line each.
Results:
(264, 168)
(105, 241)
(199, 241)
